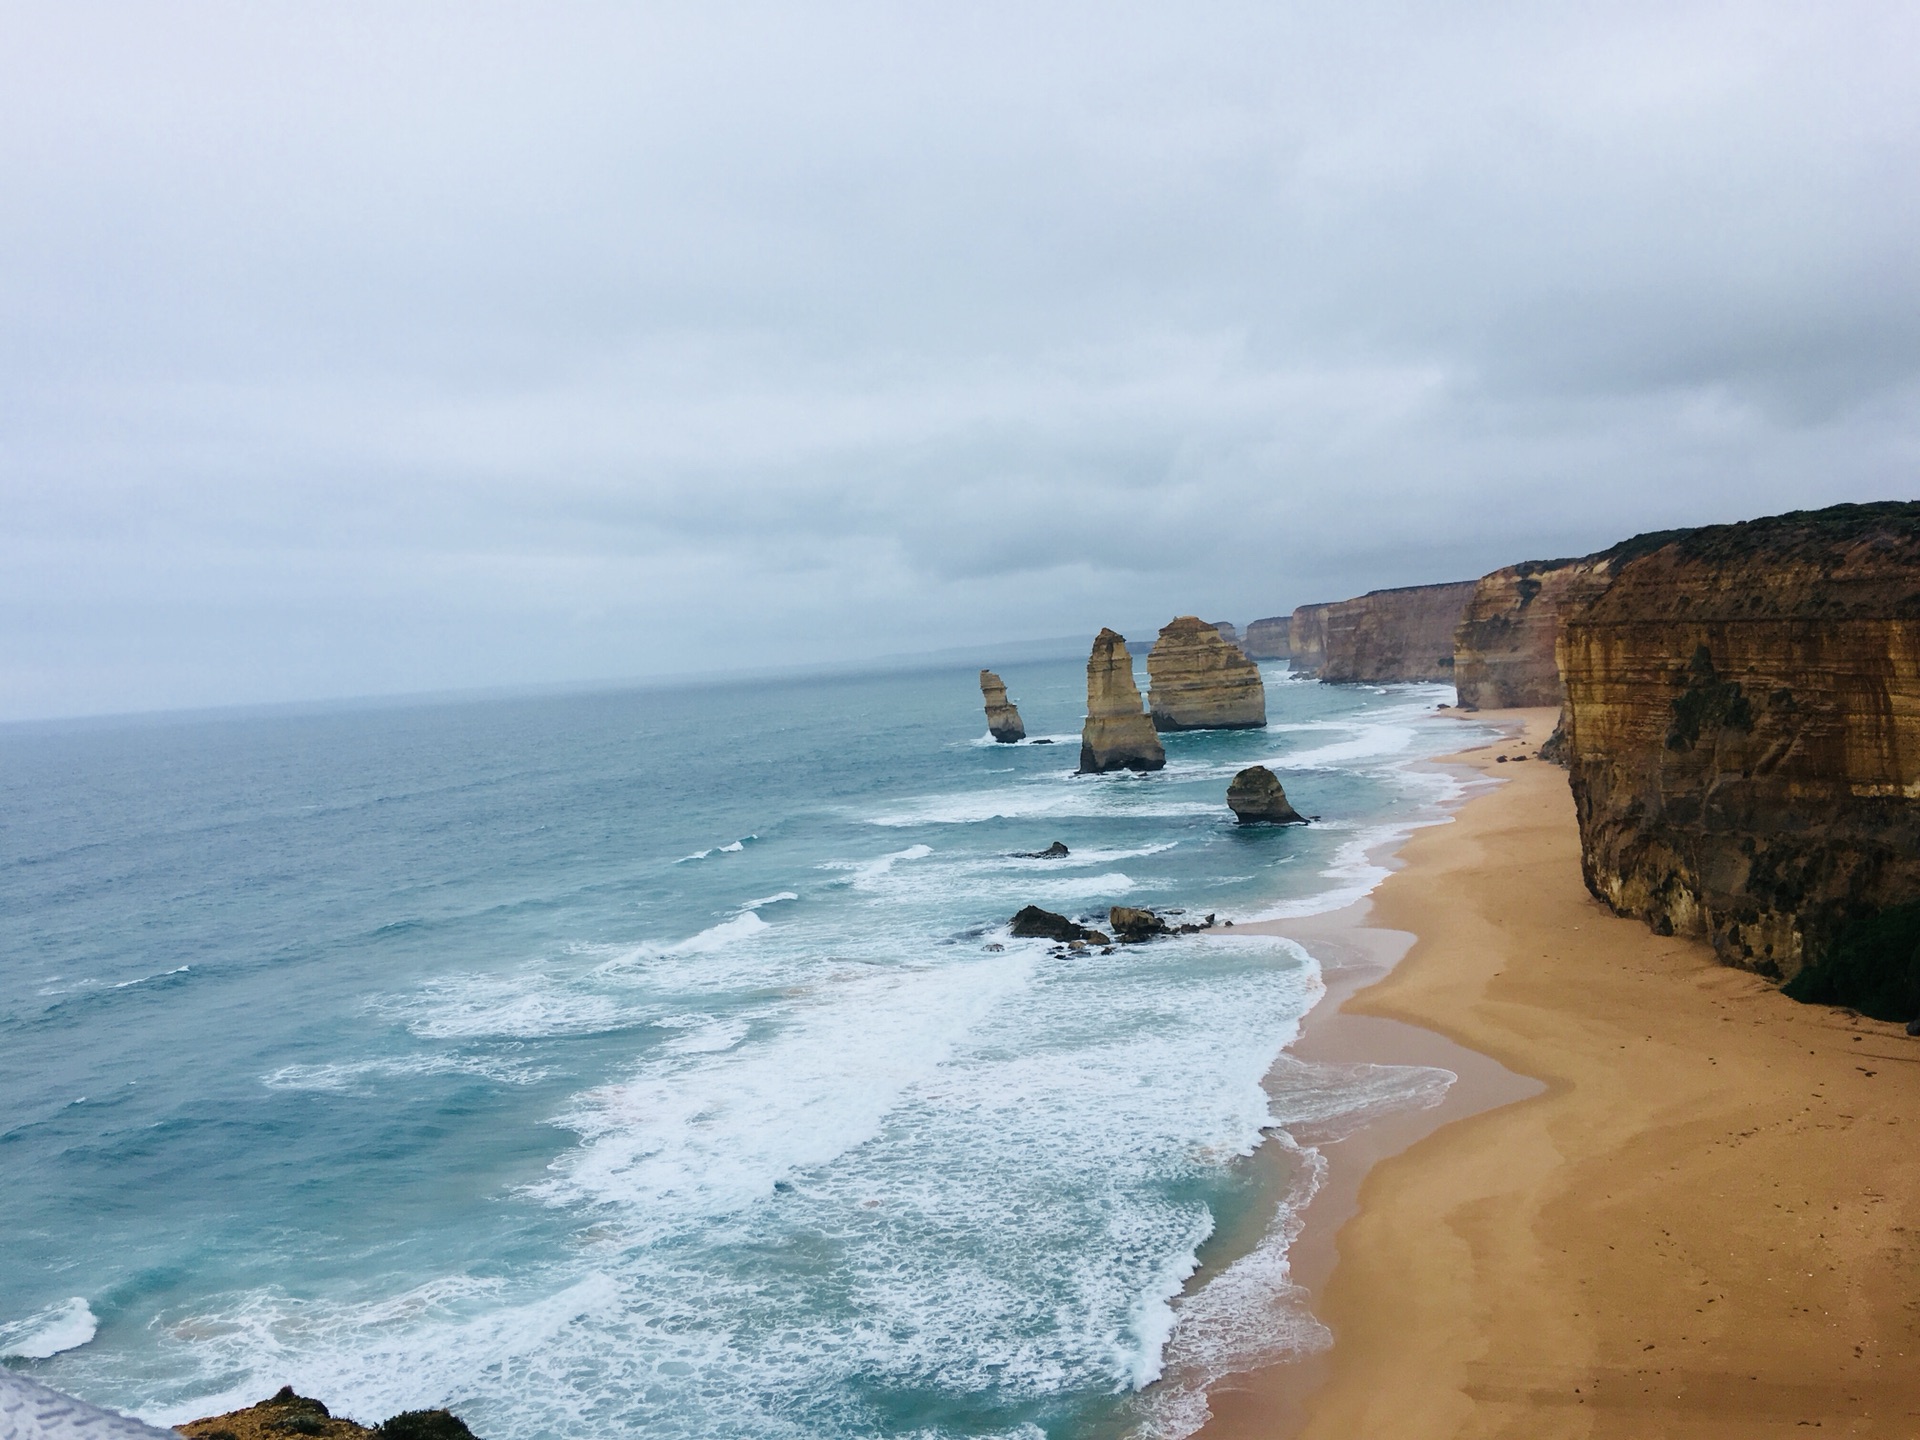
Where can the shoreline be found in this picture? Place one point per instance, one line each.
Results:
(1705, 1221)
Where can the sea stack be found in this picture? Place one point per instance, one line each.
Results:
(1200, 682)
(1256, 798)
(1118, 735)
(1003, 717)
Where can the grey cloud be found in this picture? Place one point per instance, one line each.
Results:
(347, 349)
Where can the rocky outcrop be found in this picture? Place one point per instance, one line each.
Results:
(1742, 730)
(1056, 851)
(1200, 682)
(1394, 635)
(1256, 797)
(1033, 923)
(1268, 639)
(1003, 717)
(1503, 652)
(287, 1414)
(1307, 638)
(1117, 734)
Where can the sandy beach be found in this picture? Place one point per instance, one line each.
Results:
(1664, 1200)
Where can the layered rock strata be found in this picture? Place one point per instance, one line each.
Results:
(1307, 638)
(1117, 734)
(1503, 651)
(1256, 797)
(1742, 730)
(1003, 717)
(1200, 682)
(1386, 636)
(1268, 639)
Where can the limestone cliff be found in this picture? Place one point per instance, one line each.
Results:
(1228, 632)
(1003, 718)
(1307, 638)
(1503, 652)
(1743, 730)
(1117, 734)
(1268, 639)
(1200, 682)
(1394, 635)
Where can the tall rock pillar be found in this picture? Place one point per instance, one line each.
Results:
(1003, 717)
(1118, 735)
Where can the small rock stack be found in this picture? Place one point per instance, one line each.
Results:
(1003, 717)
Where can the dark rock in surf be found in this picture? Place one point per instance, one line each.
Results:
(1131, 926)
(1055, 851)
(1033, 923)
(1257, 798)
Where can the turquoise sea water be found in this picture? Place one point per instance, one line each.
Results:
(655, 1063)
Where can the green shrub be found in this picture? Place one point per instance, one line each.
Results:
(1873, 966)
(425, 1425)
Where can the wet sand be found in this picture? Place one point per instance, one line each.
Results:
(1704, 1223)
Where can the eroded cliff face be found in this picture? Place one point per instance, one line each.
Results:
(1307, 638)
(1503, 652)
(1003, 717)
(1268, 639)
(1117, 734)
(1743, 729)
(1200, 682)
(1394, 635)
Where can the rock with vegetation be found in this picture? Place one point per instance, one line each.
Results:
(286, 1415)
(1003, 716)
(1117, 734)
(1742, 735)
(1256, 797)
(1200, 682)
(1504, 649)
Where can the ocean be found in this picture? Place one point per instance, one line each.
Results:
(656, 1063)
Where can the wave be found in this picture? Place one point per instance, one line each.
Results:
(49, 1332)
(766, 900)
(347, 1076)
(731, 848)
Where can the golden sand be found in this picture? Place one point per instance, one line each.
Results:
(1706, 1224)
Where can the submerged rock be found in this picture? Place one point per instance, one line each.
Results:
(1003, 716)
(1257, 798)
(1033, 923)
(1201, 682)
(1055, 851)
(1117, 734)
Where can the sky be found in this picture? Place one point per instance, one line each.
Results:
(353, 349)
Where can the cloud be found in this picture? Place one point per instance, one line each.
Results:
(349, 349)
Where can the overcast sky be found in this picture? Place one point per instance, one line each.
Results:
(350, 349)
